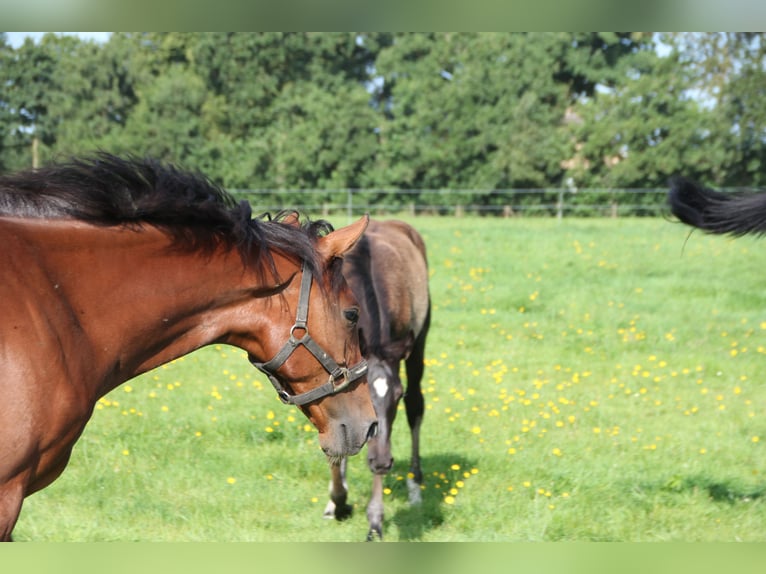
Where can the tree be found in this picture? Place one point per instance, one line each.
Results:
(28, 79)
(644, 129)
(321, 139)
(487, 111)
(726, 72)
(466, 110)
(6, 113)
(297, 102)
(96, 95)
(744, 106)
(271, 110)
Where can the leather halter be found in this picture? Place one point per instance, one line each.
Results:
(340, 377)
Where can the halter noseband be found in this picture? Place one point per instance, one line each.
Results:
(340, 377)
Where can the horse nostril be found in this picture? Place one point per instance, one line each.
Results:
(372, 431)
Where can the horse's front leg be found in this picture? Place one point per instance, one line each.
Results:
(415, 476)
(414, 404)
(337, 507)
(375, 509)
(11, 496)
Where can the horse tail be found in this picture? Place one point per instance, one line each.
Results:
(715, 212)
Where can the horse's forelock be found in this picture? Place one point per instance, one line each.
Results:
(296, 241)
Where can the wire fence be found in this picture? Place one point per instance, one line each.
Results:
(501, 203)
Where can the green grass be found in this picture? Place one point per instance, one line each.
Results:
(585, 380)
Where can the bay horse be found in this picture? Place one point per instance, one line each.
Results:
(738, 213)
(387, 271)
(113, 266)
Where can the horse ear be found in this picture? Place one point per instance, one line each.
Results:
(340, 241)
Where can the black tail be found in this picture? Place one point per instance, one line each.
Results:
(716, 212)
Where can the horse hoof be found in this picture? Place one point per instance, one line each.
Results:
(374, 534)
(339, 513)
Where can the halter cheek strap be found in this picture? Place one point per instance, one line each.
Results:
(340, 377)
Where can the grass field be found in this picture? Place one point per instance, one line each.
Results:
(586, 380)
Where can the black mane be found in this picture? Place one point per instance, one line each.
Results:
(111, 191)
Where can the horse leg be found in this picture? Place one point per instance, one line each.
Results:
(375, 509)
(415, 406)
(13, 491)
(336, 507)
(11, 497)
(415, 476)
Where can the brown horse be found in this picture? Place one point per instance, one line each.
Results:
(388, 272)
(111, 267)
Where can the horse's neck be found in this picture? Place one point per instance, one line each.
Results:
(139, 302)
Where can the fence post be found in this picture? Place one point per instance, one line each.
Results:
(560, 205)
(350, 206)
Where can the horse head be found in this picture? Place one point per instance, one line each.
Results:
(319, 366)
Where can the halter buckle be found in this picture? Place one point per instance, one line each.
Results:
(340, 374)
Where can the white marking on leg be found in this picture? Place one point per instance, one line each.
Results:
(329, 510)
(413, 490)
(381, 386)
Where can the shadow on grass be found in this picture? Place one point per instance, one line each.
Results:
(728, 491)
(441, 472)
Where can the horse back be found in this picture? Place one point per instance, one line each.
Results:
(388, 272)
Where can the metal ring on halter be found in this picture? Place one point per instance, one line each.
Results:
(296, 326)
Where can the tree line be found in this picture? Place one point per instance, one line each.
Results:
(334, 111)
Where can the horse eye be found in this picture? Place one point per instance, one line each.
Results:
(351, 315)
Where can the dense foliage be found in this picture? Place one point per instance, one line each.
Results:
(397, 111)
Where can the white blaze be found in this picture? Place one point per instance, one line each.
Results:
(381, 386)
